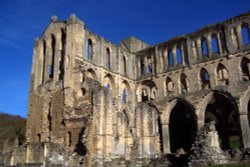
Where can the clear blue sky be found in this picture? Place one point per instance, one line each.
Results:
(152, 21)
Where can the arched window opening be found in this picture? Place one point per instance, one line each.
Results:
(61, 61)
(184, 84)
(69, 139)
(222, 111)
(108, 58)
(179, 55)
(169, 85)
(205, 79)
(124, 96)
(170, 58)
(142, 66)
(149, 65)
(144, 95)
(51, 67)
(39, 137)
(83, 91)
(222, 74)
(124, 65)
(245, 34)
(44, 57)
(215, 46)
(204, 47)
(245, 65)
(90, 49)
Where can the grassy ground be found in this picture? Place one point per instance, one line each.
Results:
(233, 165)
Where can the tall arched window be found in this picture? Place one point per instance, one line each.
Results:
(124, 96)
(215, 48)
(142, 66)
(44, 57)
(222, 75)
(90, 49)
(53, 46)
(149, 64)
(170, 58)
(245, 34)
(108, 58)
(184, 84)
(144, 95)
(63, 40)
(169, 85)
(245, 64)
(205, 79)
(179, 55)
(204, 47)
(124, 65)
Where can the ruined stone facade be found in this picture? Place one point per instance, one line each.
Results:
(134, 101)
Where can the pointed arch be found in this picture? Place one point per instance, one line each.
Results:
(184, 83)
(126, 91)
(52, 58)
(108, 57)
(245, 65)
(215, 44)
(170, 57)
(90, 49)
(124, 59)
(61, 60)
(204, 47)
(179, 55)
(44, 60)
(109, 80)
(222, 75)
(169, 85)
(91, 74)
(245, 34)
(204, 79)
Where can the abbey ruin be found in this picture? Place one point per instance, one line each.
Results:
(107, 102)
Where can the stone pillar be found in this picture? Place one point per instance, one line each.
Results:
(244, 122)
(174, 55)
(238, 35)
(183, 54)
(27, 159)
(57, 58)
(47, 60)
(209, 46)
(199, 50)
(165, 138)
(220, 51)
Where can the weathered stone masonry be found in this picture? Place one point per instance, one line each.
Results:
(135, 101)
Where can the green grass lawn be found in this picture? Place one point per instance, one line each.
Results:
(233, 165)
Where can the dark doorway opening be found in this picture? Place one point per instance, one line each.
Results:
(182, 127)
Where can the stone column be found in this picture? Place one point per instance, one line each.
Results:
(165, 138)
(209, 46)
(199, 50)
(27, 159)
(220, 51)
(174, 55)
(238, 35)
(183, 55)
(244, 122)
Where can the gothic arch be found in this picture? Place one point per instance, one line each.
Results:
(126, 86)
(222, 75)
(108, 79)
(180, 118)
(204, 79)
(91, 74)
(244, 68)
(221, 108)
(148, 87)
